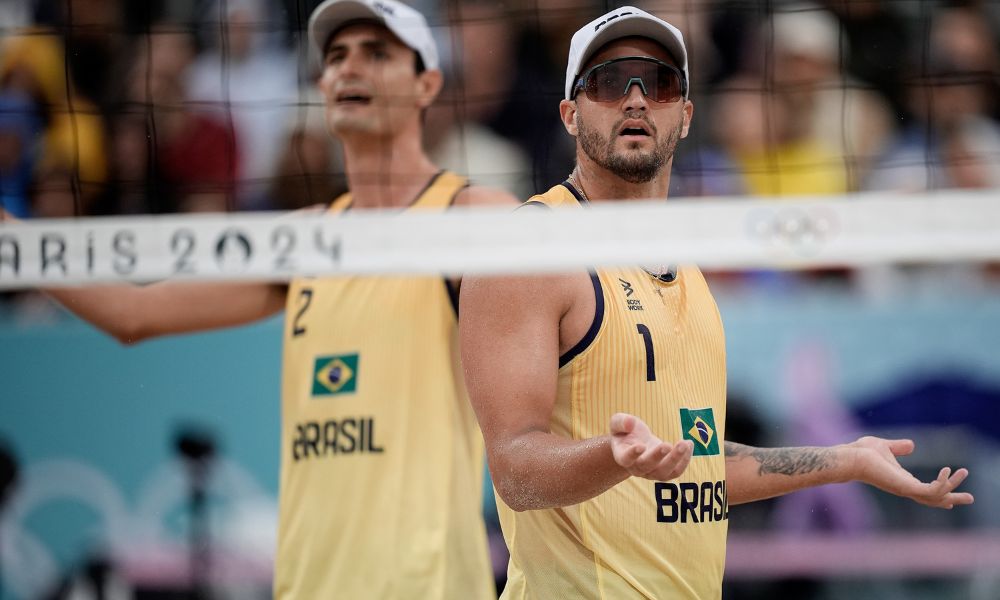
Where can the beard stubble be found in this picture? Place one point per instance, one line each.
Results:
(633, 167)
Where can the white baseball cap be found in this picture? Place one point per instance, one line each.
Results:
(406, 23)
(622, 22)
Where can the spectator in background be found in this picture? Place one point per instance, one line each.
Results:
(457, 136)
(970, 154)
(194, 153)
(93, 32)
(838, 111)
(137, 185)
(770, 143)
(951, 141)
(878, 38)
(32, 66)
(310, 167)
(14, 15)
(20, 141)
(798, 125)
(249, 79)
(700, 168)
(464, 145)
(951, 136)
(542, 32)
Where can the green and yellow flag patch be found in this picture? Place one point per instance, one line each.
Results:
(334, 375)
(698, 425)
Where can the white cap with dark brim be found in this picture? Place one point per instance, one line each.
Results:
(404, 22)
(622, 22)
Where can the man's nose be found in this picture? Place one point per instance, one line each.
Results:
(351, 65)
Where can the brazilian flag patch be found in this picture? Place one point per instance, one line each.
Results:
(698, 425)
(333, 375)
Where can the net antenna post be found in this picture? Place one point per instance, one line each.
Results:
(196, 447)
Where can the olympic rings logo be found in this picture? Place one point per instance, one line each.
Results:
(802, 230)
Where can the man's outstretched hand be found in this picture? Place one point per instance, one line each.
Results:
(643, 454)
(874, 463)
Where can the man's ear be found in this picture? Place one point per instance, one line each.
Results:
(428, 87)
(568, 113)
(688, 114)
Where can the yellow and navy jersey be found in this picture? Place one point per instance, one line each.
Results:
(381, 458)
(655, 349)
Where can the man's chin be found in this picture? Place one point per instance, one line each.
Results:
(635, 149)
(634, 167)
(634, 156)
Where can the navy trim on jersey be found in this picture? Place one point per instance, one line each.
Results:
(588, 338)
(579, 197)
(452, 294)
(427, 187)
(454, 196)
(416, 198)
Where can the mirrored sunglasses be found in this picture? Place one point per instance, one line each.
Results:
(609, 81)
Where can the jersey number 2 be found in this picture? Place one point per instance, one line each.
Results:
(647, 341)
(305, 297)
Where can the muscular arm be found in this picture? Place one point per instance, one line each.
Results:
(135, 313)
(759, 473)
(510, 330)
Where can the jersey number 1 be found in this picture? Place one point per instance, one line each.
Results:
(647, 341)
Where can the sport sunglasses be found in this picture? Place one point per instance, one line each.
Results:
(611, 80)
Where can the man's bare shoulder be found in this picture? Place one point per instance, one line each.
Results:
(477, 195)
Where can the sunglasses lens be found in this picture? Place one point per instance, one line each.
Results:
(604, 84)
(666, 86)
(610, 82)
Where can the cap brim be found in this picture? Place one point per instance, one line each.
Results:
(330, 17)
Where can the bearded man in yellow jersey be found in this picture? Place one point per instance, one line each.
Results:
(602, 396)
(381, 460)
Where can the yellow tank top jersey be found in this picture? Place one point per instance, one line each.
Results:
(656, 349)
(381, 458)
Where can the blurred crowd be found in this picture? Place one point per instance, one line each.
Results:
(112, 107)
(115, 107)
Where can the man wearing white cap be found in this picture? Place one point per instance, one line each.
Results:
(381, 460)
(602, 396)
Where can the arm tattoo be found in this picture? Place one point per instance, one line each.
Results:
(783, 461)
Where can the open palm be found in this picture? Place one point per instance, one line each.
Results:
(643, 454)
(876, 464)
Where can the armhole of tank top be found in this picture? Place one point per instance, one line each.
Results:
(449, 286)
(595, 326)
(453, 293)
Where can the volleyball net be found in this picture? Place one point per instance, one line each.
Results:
(715, 234)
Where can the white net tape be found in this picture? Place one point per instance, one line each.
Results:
(792, 233)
